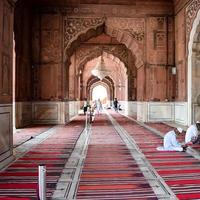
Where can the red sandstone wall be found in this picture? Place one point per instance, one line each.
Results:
(160, 58)
(181, 52)
(47, 56)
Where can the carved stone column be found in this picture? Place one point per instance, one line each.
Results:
(6, 57)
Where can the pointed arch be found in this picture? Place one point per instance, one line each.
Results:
(78, 30)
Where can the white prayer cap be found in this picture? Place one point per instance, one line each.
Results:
(180, 130)
(197, 122)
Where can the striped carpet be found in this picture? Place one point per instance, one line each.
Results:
(109, 170)
(178, 169)
(19, 180)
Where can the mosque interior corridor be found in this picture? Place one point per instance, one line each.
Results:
(134, 63)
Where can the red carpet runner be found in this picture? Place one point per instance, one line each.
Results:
(19, 180)
(109, 170)
(179, 170)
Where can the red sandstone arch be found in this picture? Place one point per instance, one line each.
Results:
(123, 37)
(93, 30)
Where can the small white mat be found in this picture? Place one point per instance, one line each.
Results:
(160, 148)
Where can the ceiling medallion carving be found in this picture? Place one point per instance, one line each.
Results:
(73, 27)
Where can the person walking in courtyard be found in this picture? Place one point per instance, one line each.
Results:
(115, 103)
(99, 106)
(85, 106)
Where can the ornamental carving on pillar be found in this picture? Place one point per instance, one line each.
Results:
(191, 12)
(74, 27)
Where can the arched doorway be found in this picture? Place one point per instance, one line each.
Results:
(103, 27)
(116, 82)
(100, 92)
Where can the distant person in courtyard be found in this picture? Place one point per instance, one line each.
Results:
(85, 106)
(192, 135)
(94, 105)
(171, 143)
(99, 106)
(115, 103)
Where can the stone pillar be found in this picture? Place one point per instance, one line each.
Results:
(6, 65)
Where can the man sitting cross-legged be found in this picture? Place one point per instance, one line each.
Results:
(171, 143)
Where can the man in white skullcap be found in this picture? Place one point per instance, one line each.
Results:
(192, 135)
(171, 143)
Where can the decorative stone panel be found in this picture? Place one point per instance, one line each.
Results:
(180, 113)
(47, 112)
(73, 27)
(23, 114)
(6, 132)
(160, 111)
(157, 40)
(134, 26)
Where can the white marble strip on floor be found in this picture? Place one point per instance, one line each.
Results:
(68, 182)
(26, 146)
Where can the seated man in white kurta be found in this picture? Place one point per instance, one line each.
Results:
(192, 135)
(170, 141)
